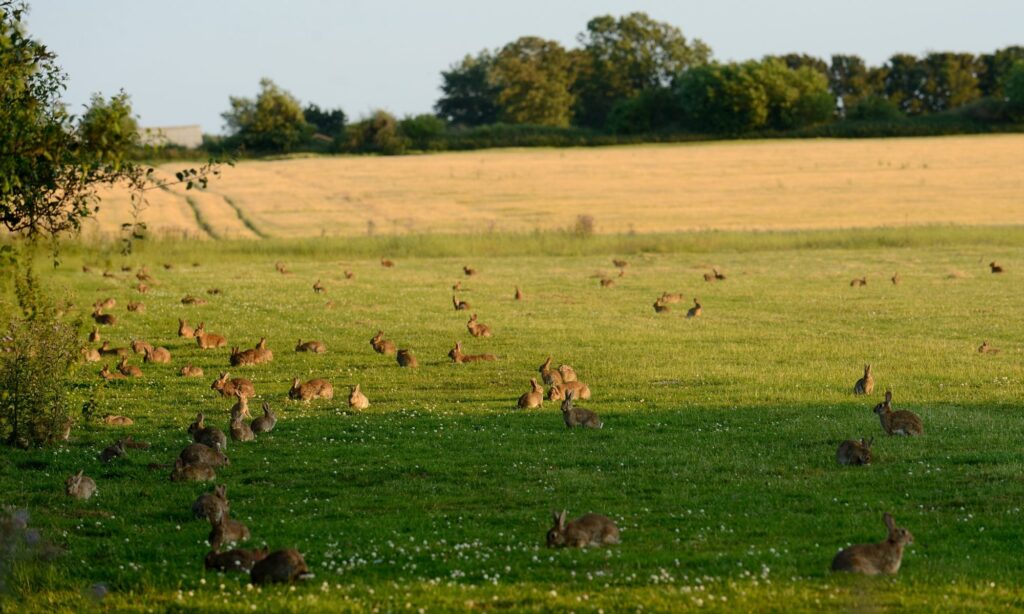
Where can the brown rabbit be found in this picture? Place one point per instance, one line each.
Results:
(718, 276)
(660, 307)
(709, 277)
(237, 559)
(900, 422)
(382, 345)
(985, 348)
(476, 328)
(94, 336)
(853, 452)
(549, 375)
(113, 451)
(103, 319)
(696, 310)
(318, 287)
(192, 473)
(313, 389)
(866, 384)
(142, 288)
(80, 486)
(110, 420)
(140, 347)
(184, 330)
(559, 391)
(469, 271)
(208, 341)
(107, 303)
(387, 264)
(518, 294)
(859, 282)
(459, 305)
(137, 307)
(91, 355)
(188, 299)
(107, 350)
(358, 400)
(224, 530)
(279, 566)
(567, 372)
(240, 431)
(895, 279)
(127, 369)
(311, 346)
(281, 268)
(406, 359)
(534, 398)
(190, 371)
(349, 274)
(212, 505)
(667, 298)
(607, 282)
(587, 530)
(242, 358)
(619, 264)
(263, 353)
(264, 423)
(874, 559)
(201, 454)
(995, 267)
(108, 375)
(227, 387)
(458, 357)
(158, 354)
(578, 416)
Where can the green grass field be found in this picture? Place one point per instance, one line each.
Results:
(717, 459)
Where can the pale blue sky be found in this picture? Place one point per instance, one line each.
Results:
(181, 60)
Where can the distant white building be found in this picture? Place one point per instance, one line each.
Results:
(182, 136)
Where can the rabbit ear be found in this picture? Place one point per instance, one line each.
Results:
(554, 517)
(870, 442)
(80, 472)
(888, 397)
(889, 522)
(266, 406)
(561, 519)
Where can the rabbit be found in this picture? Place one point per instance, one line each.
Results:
(578, 416)
(91, 355)
(202, 454)
(127, 369)
(196, 472)
(140, 347)
(696, 310)
(985, 348)
(212, 505)
(718, 276)
(224, 530)
(113, 451)
(567, 372)
(607, 282)
(458, 357)
(866, 384)
(80, 486)
(142, 288)
(188, 299)
(107, 303)
(190, 371)
(241, 406)
(227, 387)
(619, 264)
(853, 452)
(459, 304)
(143, 274)
(660, 307)
(874, 559)
(94, 336)
(137, 307)
(118, 421)
(280, 566)
(667, 298)
(349, 274)
(548, 375)
(859, 282)
(264, 423)
(476, 328)
(103, 319)
(243, 358)
(457, 285)
(995, 267)
(387, 264)
(214, 291)
(579, 389)
(469, 271)
(281, 268)
(357, 400)
(263, 353)
(107, 350)
(158, 355)
(313, 389)
(318, 287)
(895, 279)
(534, 398)
(240, 431)
(406, 359)
(310, 346)
(208, 341)
(519, 294)
(238, 559)
(709, 277)
(587, 530)
(108, 375)
(184, 330)
(382, 345)
(900, 422)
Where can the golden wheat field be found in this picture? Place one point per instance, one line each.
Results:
(794, 184)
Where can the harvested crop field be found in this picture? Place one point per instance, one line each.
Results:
(741, 185)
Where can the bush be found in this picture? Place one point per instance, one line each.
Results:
(379, 133)
(1013, 86)
(875, 108)
(36, 357)
(423, 131)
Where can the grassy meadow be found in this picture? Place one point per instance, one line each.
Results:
(717, 458)
(737, 186)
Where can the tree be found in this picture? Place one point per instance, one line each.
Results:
(951, 82)
(379, 133)
(108, 127)
(273, 122)
(795, 97)
(470, 96)
(849, 80)
(1013, 88)
(800, 60)
(422, 130)
(534, 76)
(622, 57)
(995, 67)
(904, 81)
(326, 122)
(723, 98)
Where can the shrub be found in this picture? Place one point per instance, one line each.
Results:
(875, 108)
(379, 133)
(423, 131)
